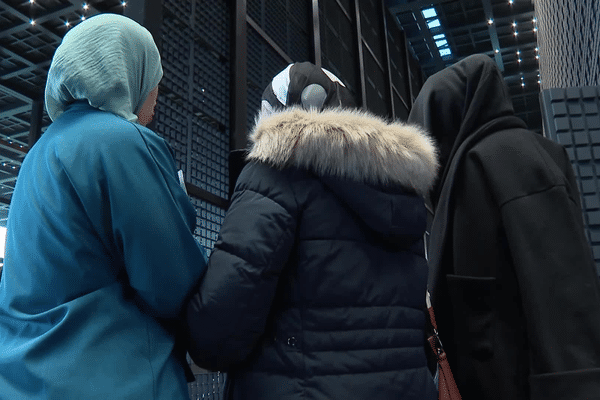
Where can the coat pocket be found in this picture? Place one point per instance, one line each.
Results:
(474, 313)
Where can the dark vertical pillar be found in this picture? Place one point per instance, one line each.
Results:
(35, 125)
(239, 91)
(387, 61)
(316, 33)
(361, 59)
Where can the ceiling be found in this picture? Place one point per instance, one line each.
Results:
(30, 32)
(478, 26)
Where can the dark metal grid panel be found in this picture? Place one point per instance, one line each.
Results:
(175, 56)
(172, 124)
(286, 22)
(180, 8)
(399, 108)
(208, 223)
(376, 86)
(275, 22)
(254, 9)
(398, 65)
(415, 77)
(338, 41)
(208, 386)
(209, 154)
(371, 27)
(299, 38)
(254, 98)
(572, 118)
(196, 99)
(263, 64)
(213, 24)
(210, 91)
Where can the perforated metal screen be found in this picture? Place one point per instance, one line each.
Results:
(193, 116)
(569, 42)
(193, 103)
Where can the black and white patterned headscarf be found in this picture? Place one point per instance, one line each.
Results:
(304, 84)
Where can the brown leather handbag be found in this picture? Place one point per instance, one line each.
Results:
(447, 388)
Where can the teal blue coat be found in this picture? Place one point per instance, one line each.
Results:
(99, 250)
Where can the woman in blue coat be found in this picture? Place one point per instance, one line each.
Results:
(316, 286)
(100, 255)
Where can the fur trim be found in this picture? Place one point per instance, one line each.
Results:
(349, 144)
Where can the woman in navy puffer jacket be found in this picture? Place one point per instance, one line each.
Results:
(316, 286)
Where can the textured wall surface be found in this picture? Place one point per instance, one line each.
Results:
(569, 42)
(572, 118)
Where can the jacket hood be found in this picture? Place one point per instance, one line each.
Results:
(379, 169)
(457, 102)
(348, 144)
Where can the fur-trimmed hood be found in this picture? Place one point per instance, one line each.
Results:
(347, 144)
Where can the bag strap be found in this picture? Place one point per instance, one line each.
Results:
(447, 388)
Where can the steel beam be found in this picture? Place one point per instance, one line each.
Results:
(361, 58)
(489, 14)
(316, 33)
(9, 112)
(14, 93)
(21, 71)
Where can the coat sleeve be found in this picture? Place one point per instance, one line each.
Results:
(560, 292)
(152, 223)
(228, 314)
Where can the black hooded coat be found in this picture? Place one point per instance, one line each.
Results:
(315, 289)
(513, 282)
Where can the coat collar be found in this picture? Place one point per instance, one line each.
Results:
(347, 144)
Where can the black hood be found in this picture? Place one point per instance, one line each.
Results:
(393, 214)
(458, 102)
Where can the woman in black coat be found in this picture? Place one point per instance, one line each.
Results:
(316, 286)
(513, 283)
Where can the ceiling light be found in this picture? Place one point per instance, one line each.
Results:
(440, 36)
(518, 52)
(490, 21)
(429, 13)
(516, 33)
(519, 60)
(514, 24)
(522, 84)
(124, 4)
(537, 49)
(441, 43)
(86, 6)
(433, 24)
(537, 57)
(510, 2)
(67, 24)
(497, 51)
(534, 20)
(445, 52)
(32, 22)
(535, 29)
(32, 1)
(83, 17)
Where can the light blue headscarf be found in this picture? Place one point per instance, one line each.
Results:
(109, 60)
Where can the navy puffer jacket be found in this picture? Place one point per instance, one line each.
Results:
(316, 286)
